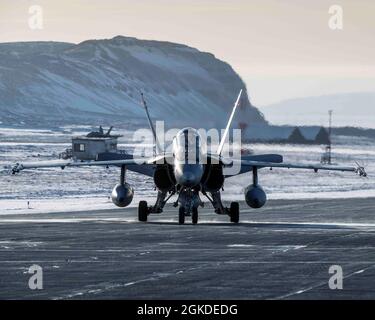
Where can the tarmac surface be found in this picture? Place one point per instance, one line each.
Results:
(282, 251)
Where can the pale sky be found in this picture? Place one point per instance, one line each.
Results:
(281, 49)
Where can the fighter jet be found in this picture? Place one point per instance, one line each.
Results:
(174, 174)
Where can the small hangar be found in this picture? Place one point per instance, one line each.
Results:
(89, 146)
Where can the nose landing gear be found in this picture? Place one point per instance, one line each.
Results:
(181, 215)
(194, 216)
(189, 201)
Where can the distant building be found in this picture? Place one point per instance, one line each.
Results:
(88, 147)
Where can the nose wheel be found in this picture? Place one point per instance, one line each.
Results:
(194, 216)
(181, 215)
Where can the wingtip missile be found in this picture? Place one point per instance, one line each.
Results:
(360, 170)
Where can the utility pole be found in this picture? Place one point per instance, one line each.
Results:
(329, 137)
(327, 155)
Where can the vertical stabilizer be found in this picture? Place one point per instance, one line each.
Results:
(157, 145)
(221, 145)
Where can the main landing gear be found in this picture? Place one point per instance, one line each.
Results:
(143, 211)
(234, 212)
(188, 203)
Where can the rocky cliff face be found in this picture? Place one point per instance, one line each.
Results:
(50, 81)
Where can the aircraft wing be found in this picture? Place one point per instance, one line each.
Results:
(316, 167)
(70, 163)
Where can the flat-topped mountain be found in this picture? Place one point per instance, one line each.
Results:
(43, 82)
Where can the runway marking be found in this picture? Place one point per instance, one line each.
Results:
(359, 271)
(281, 247)
(100, 290)
(22, 242)
(239, 245)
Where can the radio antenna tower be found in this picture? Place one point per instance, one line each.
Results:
(327, 155)
(330, 137)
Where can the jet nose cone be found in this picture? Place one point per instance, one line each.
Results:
(188, 179)
(188, 175)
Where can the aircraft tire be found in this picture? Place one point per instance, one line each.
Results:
(181, 215)
(142, 211)
(194, 216)
(234, 212)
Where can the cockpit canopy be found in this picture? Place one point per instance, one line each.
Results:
(188, 146)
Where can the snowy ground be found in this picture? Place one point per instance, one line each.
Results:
(75, 189)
